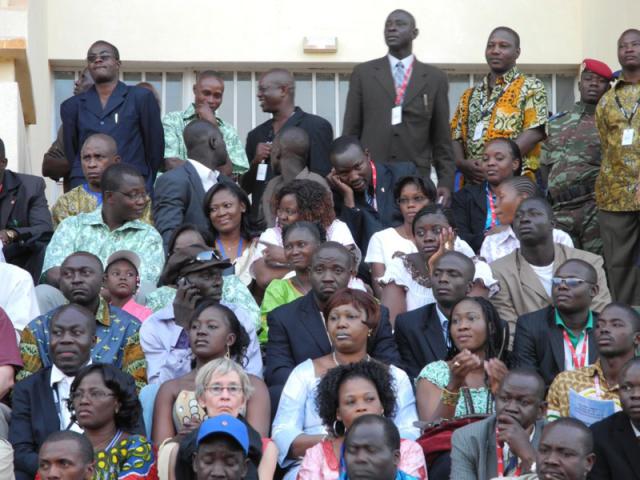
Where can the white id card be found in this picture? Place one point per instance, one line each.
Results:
(396, 115)
(261, 175)
(477, 133)
(627, 136)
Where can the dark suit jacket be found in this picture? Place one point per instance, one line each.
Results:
(419, 338)
(539, 344)
(33, 419)
(178, 199)
(363, 220)
(473, 450)
(320, 137)
(24, 208)
(297, 333)
(470, 213)
(616, 448)
(422, 137)
(131, 116)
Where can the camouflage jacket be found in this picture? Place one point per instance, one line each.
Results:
(572, 154)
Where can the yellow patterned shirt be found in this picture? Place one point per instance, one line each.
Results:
(80, 200)
(619, 176)
(117, 342)
(517, 103)
(582, 382)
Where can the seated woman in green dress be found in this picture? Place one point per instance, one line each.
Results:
(466, 382)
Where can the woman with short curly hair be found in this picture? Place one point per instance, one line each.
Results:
(344, 394)
(104, 403)
(298, 200)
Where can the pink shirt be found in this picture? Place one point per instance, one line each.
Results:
(139, 311)
(320, 462)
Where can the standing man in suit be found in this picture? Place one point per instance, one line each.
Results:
(505, 443)
(398, 107)
(131, 115)
(25, 221)
(422, 334)
(179, 193)
(40, 401)
(526, 274)
(617, 438)
(297, 331)
(276, 94)
(559, 337)
(364, 189)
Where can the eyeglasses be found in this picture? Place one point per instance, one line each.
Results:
(570, 282)
(134, 196)
(102, 56)
(92, 395)
(216, 390)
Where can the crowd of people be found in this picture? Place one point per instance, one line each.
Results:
(304, 307)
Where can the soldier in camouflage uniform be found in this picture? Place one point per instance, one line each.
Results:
(571, 160)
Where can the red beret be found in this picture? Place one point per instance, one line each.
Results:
(597, 67)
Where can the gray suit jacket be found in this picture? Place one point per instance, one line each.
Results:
(178, 199)
(473, 450)
(422, 137)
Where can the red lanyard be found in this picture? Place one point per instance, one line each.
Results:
(577, 362)
(403, 87)
(374, 180)
(500, 459)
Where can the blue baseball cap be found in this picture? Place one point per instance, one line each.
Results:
(225, 425)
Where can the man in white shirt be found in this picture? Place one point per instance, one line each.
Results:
(17, 295)
(40, 401)
(525, 274)
(179, 193)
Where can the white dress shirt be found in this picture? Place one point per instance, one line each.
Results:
(501, 244)
(207, 176)
(61, 384)
(393, 61)
(17, 295)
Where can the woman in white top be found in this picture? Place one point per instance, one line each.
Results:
(406, 282)
(297, 200)
(351, 317)
(411, 193)
(501, 240)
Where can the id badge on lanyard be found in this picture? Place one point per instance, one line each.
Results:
(396, 111)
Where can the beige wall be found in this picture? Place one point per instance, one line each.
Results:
(556, 35)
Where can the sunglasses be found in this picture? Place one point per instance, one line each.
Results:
(570, 282)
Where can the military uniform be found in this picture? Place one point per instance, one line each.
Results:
(572, 155)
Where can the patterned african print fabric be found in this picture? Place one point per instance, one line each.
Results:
(81, 200)
(517, 103)
(620, 170)
(88, 232)
(129, 459)
(118, 343)
(582, 381)
(174, 147)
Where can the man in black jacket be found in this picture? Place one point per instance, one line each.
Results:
(297, 330)
(617, 438)
(276, 94)
(364, 189)
(25, 220)
(39, 401)
(554, 338)
(421, 334)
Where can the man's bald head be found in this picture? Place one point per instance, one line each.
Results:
(281, 77)
(205, 143)
(294, 141)
(107, 143)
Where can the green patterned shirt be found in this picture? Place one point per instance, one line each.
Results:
(87, 232)
(174, 147)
